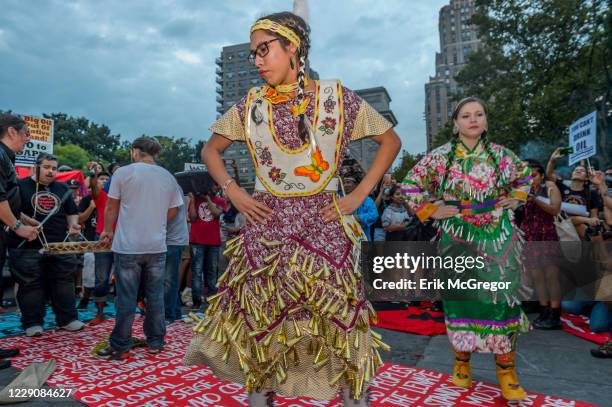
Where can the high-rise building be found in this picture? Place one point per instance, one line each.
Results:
(365, 150)
(457, 40)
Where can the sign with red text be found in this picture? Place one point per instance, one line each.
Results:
(41, 140)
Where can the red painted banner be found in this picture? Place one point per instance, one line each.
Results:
(163, 380)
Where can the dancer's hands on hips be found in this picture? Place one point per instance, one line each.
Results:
(347, 205)
(254, 211)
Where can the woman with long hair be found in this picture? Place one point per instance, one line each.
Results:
(290, 314)
(476, 185)
(540, 258)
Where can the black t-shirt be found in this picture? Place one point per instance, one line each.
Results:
(92, 221)
(579, 197)
(48, 197)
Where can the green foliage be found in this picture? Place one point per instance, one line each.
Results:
(71, 155)
(408, 161)
(542, 65)
(175, 153)
(94, 138)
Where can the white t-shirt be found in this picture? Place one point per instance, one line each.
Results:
(146, 192)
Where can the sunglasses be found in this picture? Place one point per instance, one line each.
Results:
(261, 50)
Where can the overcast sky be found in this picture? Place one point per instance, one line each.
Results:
(148, 66)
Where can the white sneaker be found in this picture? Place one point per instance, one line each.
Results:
(186, 297)
(35, 330)
(75, 325)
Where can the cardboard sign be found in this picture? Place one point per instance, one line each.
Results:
(583, 138)
(41, 140)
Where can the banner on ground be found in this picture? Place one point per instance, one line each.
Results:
(41, 140)
(583, 138)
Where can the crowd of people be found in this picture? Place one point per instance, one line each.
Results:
(285, 256)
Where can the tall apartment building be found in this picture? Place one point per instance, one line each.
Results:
(365, 150)
(457, 40)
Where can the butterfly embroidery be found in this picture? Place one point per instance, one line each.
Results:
(271, 95)
(315, 169)
(354, 228)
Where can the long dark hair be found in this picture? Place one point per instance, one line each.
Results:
(10, 120)
(302, 30)
(483, 138)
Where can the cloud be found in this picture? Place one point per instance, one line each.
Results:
(188, 57)
(148, 67)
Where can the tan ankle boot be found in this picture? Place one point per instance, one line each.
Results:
(508, 380)
(462, 371)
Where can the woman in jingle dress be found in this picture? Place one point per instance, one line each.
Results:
(290, 315)
(480, 184)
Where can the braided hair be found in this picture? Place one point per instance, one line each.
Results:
(302, 30)
(455, 140)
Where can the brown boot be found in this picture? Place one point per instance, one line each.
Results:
(508, 380)
(462, 371)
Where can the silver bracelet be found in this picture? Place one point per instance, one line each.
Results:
(226, 184)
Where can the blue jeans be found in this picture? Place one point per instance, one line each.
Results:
(172, 304)
(129, 269)
(600, 319)
(102, 266)
(204, 260)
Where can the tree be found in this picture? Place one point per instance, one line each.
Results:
(542, 66)
(93, 138)
(175, 153)
(71, 155)
(122, 154)
(408, 161)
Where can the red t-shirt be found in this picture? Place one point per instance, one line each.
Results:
(206, 229)
(100, 202)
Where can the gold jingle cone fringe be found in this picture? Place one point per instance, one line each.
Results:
(275, 327)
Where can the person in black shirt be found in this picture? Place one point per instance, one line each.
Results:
(34, 271)
(578, 192)
(14, 135)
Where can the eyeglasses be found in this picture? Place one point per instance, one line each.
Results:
(261, 50)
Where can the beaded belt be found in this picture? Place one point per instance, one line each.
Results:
(470, 207)
(332, 185)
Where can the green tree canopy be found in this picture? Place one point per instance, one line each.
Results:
(408, 161)
(71, 155)
(94, 138)
(175, 153)
(542, 65)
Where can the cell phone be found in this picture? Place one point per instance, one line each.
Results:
(566, 150)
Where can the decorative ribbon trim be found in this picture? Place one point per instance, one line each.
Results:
(273, 26)
(518, 194)
(522, 180)
(425, 211)
(411, 190)
(460, 321)
(468, 205)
